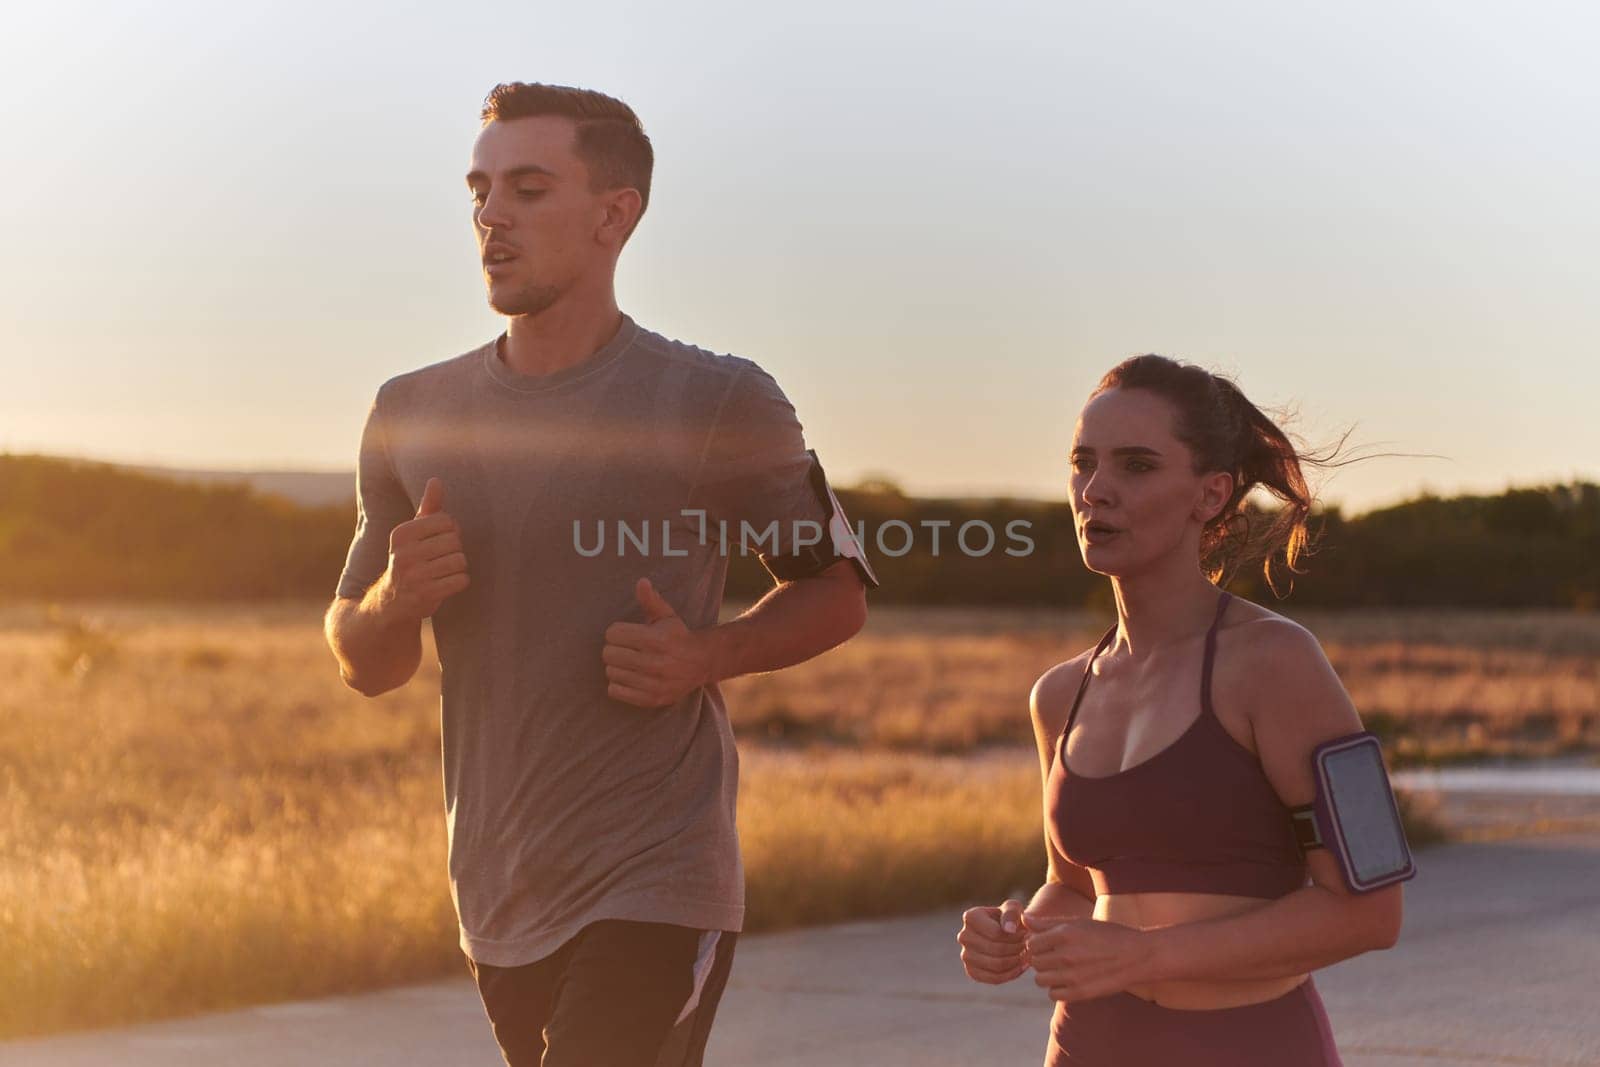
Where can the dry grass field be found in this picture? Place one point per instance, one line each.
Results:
(1438, 686)
(197, 814)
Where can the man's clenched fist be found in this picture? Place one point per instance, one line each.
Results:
(654, 663)
(426, 563)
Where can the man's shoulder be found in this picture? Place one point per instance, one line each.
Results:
(700, 363)
(431, 379)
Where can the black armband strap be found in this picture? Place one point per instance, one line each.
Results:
(1306, 834)
(838, 541)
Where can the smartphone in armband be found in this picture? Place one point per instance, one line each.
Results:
(1355, 816)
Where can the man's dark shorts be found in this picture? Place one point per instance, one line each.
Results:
(618, 994)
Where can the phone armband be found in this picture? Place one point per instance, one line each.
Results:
(1355, 816)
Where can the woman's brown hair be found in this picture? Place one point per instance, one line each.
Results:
(1226, 432)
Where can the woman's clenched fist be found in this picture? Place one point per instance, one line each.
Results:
(993, 943)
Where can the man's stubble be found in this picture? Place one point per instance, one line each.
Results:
(529, 300)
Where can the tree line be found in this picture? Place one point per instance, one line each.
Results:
(77, 530)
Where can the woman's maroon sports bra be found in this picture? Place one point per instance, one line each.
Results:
(1199, 816)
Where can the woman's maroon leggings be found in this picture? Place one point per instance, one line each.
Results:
(1123, 1030)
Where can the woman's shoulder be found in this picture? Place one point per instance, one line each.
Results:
(1255, 636)
(1052, 694)
(1268, 664)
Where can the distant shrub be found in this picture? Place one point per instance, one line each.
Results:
(85, 649)
(206, 658)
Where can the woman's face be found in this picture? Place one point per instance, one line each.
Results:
(1135, 496)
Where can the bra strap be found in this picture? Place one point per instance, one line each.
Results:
(1084, 684)
(1211, 653)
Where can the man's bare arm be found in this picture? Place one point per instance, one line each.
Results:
(378, 638)
(376, 653)
(654, 663)
(794, 622)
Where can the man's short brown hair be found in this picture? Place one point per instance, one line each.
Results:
(610, 139)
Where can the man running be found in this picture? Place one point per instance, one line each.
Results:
(561, 501)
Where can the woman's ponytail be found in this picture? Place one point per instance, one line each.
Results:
(1226, 432)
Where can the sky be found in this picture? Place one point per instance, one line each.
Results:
(937, 225)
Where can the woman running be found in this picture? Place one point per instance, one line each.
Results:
(1179, 921)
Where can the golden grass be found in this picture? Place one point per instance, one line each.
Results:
(198, 814)
(831, 836)
(195, 819)
(1437, 685)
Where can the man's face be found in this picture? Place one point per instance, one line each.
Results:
(531, 200)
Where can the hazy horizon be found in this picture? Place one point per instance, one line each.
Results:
(936, 231)
(953, 493)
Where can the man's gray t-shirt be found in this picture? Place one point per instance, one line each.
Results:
(564, 806)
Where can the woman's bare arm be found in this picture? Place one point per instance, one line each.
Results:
(1296, 703)
(1068, 890)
